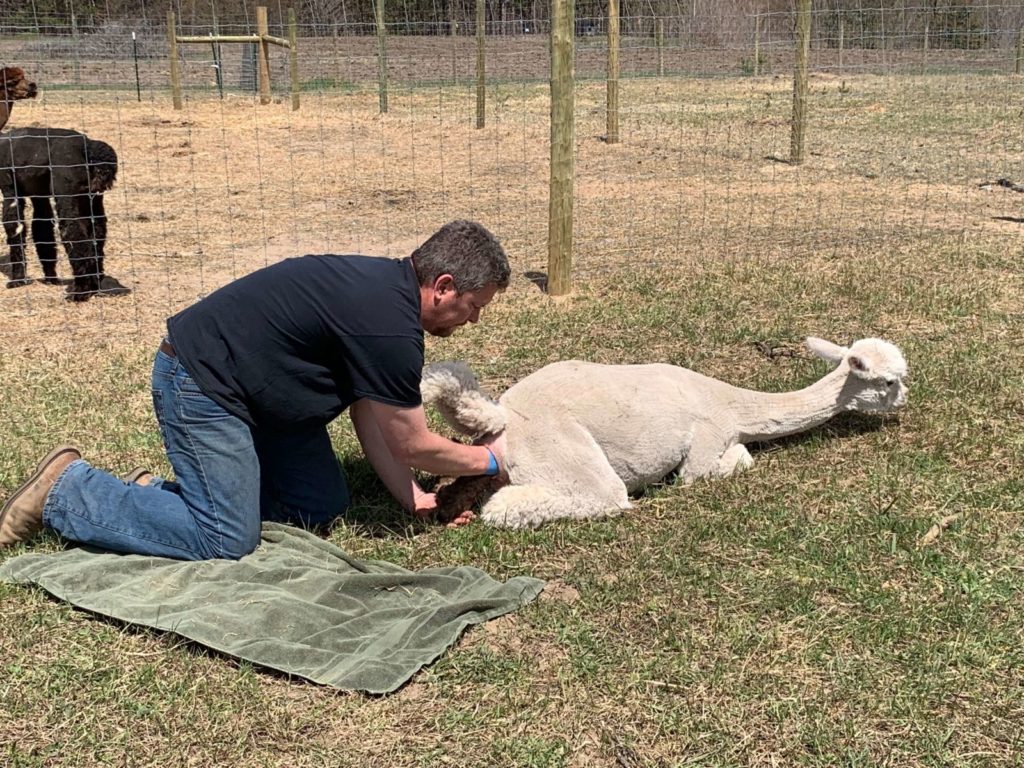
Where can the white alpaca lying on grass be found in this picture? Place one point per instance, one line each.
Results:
(580, 437)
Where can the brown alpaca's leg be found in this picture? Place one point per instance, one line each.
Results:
(457, 495)
(14, 226)
(76, 232)
(45, 239)
(108, 286)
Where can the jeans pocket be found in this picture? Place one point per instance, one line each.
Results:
(196, 408)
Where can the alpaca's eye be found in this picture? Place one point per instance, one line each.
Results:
(890, 382)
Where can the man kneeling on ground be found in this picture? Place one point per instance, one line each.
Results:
(245, 385)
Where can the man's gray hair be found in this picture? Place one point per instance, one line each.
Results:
(465, 250)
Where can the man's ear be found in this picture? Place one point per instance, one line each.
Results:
(443, 284)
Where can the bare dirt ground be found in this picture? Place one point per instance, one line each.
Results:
(220, 188)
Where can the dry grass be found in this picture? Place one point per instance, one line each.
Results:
(800, 614)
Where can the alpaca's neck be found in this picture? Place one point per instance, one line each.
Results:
(5, 112)
(770, 415)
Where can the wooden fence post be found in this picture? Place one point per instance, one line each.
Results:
(1020, 52)
(842, 31)
(613, 73)
(481, 77)
(659, 41)
(172, 42)
(562, 140)
(263, 28)
(803, 50)
(452, 29)
(293, 56)
(382, 55)
(757, 46)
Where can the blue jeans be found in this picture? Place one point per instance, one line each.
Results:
(229, 476)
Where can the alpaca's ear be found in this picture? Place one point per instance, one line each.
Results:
(857, 363)
(826, 350)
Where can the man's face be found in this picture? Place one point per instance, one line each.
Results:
(443, 309)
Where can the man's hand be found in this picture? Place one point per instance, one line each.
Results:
(426, 509)
(496, 445)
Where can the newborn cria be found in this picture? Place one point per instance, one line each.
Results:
(581, 436)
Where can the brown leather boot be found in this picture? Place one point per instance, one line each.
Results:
(21, 517)
(139, 476)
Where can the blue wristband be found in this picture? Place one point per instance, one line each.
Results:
(492, 464)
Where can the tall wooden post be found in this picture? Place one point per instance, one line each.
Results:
(1019, 63)
(757, 46)
(885, 44)
(563, 134)
(293, 56)
(803, 51)
(481, 78)
(172, 42)
(659, 41)
(74, 42)
(262, 29)
(382, 55)
(613, 72)
(452, 29)
(842, 30)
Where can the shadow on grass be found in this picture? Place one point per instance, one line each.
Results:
(842, 426)
(373, 513)
(540, 279)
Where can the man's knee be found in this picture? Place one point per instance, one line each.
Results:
(230, 547)
(307, 507)
(306, 516)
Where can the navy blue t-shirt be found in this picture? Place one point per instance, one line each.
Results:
(292, 345)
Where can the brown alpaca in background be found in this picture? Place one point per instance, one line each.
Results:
(38, 164)
(13, 87)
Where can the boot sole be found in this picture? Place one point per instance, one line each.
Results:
(46, 461)
(135, 474)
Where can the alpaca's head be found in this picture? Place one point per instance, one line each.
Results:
(876, 373)
(14, 85)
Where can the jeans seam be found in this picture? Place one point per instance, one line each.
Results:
(214, 507)
(55, 488)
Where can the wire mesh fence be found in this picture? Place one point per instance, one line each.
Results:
(913, 109)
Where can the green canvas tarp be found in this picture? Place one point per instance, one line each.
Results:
(298, 604)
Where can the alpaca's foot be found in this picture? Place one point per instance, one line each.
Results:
(530, 506)
(51, 280)
(76, 296)
(18, 282)
(459, 494)
(735, 459)
(110, 286)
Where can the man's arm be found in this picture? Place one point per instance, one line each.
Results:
(397, 478)
(395, 473)
(410, 443)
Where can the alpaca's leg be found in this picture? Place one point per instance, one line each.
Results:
(710, 455)
(108, 286)
(562, 473)
(735, 458)
(530, 506)
(98, 220)
(14, 226)
(44, 237)
(76, 232)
